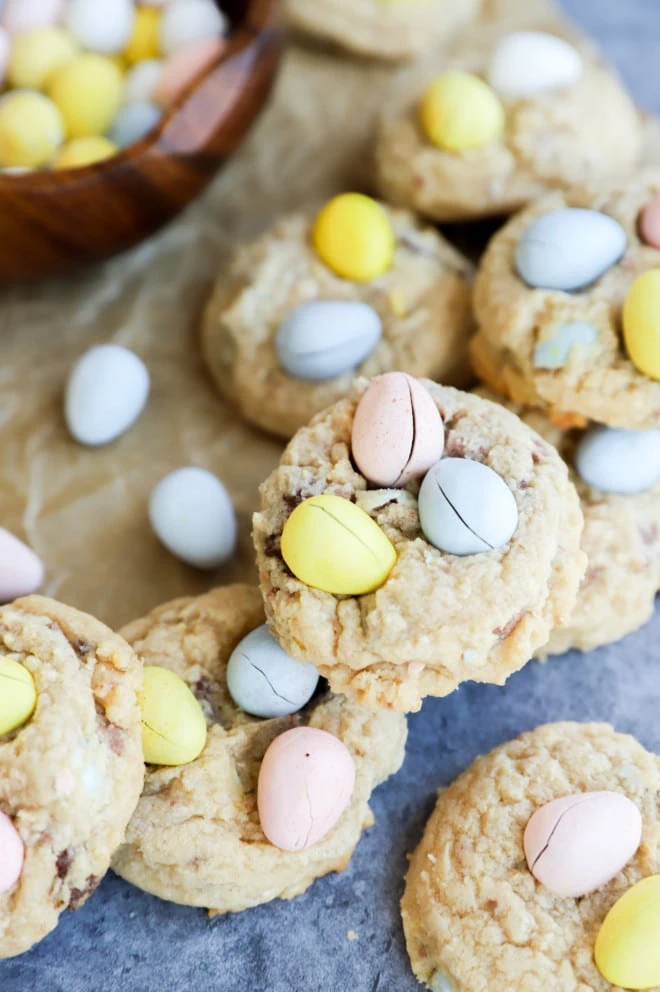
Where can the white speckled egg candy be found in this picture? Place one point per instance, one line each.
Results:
(12, 854)
(615, 460)
(188, 21)
(192, 514)
(466, 508)
(21, 571)
(22, 15)
(103, 26)
(305, 783)
(323, 338)
(528, 63)
(107, 391)
(264, 680)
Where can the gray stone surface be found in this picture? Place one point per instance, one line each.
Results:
(124, 941)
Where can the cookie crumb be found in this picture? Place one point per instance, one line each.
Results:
(352, 935)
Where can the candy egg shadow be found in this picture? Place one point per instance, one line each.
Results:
(53, 222)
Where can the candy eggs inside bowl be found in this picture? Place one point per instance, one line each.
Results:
(77, 203)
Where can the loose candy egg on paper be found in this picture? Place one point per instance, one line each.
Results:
(398, 432)
(188, 21)
(18, 695)
(37, 54)
(576, 844)
(107, 391)
(31, 129)
(192, 514)
(306, 781)
(529, 63)
(21, 15)
(569, 248)
(103, 26)
(459, 111)
(264, 680)
(627, 951)
(133, 122)
(354, 237)
(88, 92)
(185, 66)
(141, 81)
(331, 544)
(12, 854)
(21, 570)
(562, 341)
(466, 508)
(649, 222)
(323, 338)
(84, 151)
(173, 723)
(641, 323)
(615, 460)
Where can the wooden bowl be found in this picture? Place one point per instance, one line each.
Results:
(52, 222)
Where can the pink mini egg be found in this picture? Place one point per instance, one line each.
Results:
(21, 15)
(576, 844)
(21, 571)
(305, 783)
(182, 68)
(12, 854)
(649, 222)
(398, 432)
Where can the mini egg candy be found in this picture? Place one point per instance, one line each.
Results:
(5, 48)
(84, 151)
(397, 432)
(323, 338)
(192, 514)
(31, 129)
(106, 392)
(528, 63)
(12, 854)
(144, 41)
(649, 222)
(103, 26)
(21, 15)
(88, 93)
(18, 695)
(331, 544)
(264, 680)
(187, 21)
(141, 80)
(466, 508)
(569, 248)
(21, 570)
(576, 844)
(459, 112)
(181, 69)
(133, 122)
(627, 951)
(641, 323)
(615, 460)
(173, 723)
(306, 781)
(561, 341)
(39, 53)
(353, 235)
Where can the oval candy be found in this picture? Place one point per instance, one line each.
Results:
(101, 25)
(397, 433)
(576, 844)
(555, 350)
(173, 724)
(569, 248)
(649, 222)
(323, 338)
(192, 514)
(641, 323)
(331, 544)
(305, 783)
(459, 111)
(528, 63)
(134, 121)
(354, 237)
(21, 571)
(188, 21)
(12, 854)
(615, 460)
(107, 391)
(466, 508)
(264, 680)
(18, 695)
(627, 951)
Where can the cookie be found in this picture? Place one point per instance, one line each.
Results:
(465, 149)
(70, 777)
(196, 836)
(565, 350)
(386, 29)
(437, 619)
(474, 917)
(422, 303)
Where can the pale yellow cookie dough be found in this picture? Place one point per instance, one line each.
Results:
(438, 620)
(423, 300)
(71, 776)
(195, 837)
(474, 917)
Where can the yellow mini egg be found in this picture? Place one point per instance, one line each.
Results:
(173, 724)
(31, 129)
(331, 544)
(37, 54)
(18, 695)
(88, 92)
(641, 323)
(354, 237)
(459, 111)
(144, 42)
(84, 151)
(627, 951)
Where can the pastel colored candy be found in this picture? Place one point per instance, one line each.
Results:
(460, 111)
(569, 248)
(305, 783)
(627, 951)
(12, 854)
(21, 15)
(466, 508)
(31, 129)
(88, 93)
(397, 432)
(133, 122)
(183, 67)
(353, 235)
(528, 63)
(331, 544)
(578, 843)
(615, 460)
(264, 680)
(144, 42)
(37, 54)
(188, 21)
(323, 338)
(103, 26)
(192, 514)
(18, 695)
(641, 323)
(649, 222)
(173, 723)
(557, 348)
(141, 81)
(5, 48)
(21, 570)
(106, 392)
